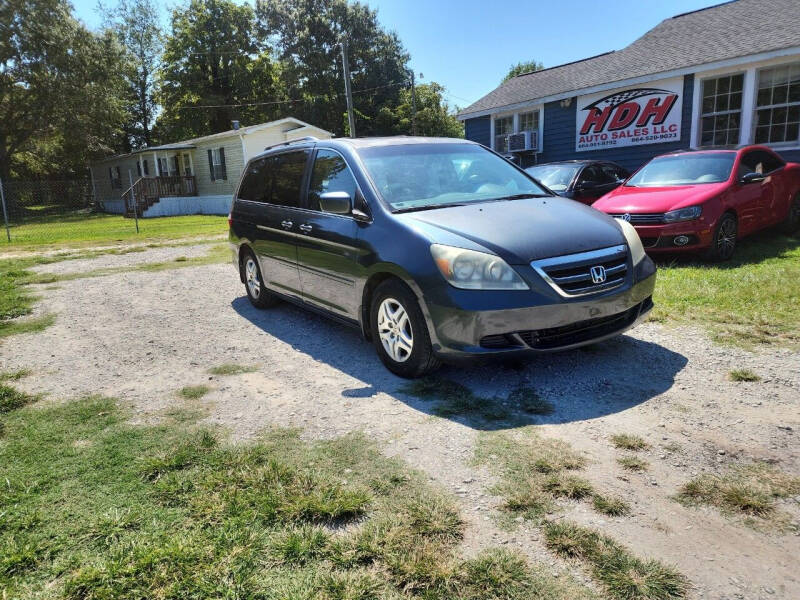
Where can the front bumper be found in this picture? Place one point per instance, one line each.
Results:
(457, 333)
(661, 238)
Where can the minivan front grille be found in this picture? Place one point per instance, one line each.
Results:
(586, 272)
(641, 218)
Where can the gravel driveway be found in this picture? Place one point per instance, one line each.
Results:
(141, 336)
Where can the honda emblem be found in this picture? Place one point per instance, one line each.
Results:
(598, 274)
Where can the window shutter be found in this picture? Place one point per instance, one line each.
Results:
(211, 164)
(138, 168)
(222, 163)
(146, 169)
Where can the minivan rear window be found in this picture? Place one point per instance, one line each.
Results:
(420, 176)
(257, 182)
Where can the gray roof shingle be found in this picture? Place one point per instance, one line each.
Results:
(720, 32)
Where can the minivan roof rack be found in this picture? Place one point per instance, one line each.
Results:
(308, 138)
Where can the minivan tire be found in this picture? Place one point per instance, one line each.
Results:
(394, 297)
(721, 250)
(257, 293)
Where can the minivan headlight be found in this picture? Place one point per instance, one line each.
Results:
(471, 270)
(683, 214)
(634, 241)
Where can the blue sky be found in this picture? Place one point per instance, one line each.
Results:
(468, 45)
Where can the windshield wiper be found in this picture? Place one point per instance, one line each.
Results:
(427, 207)
(518, 197)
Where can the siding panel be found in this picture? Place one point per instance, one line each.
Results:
(478, 130)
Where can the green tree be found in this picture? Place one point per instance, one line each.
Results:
(60, 90)
(434, 116)
(136, 25)
(215, 70)
(307, 35)
(527, 66)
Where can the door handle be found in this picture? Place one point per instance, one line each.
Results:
(306, 228)
(286, 224)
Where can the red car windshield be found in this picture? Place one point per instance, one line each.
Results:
(684, 169)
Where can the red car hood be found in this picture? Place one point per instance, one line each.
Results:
(657, 199)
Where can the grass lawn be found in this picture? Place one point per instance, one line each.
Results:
(82, 229)
(92, 507)
(751, 300)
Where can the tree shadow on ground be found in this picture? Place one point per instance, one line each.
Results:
(605, 378)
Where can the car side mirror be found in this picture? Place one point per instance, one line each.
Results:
(752, 178)
(337, 203)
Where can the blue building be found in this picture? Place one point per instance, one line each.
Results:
(724, 76)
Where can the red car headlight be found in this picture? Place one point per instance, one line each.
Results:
(683, 214)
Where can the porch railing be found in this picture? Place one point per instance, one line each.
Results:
(149, 190)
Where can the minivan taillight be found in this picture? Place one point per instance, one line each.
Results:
(230, 220)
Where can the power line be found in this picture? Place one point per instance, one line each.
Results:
(275, 102)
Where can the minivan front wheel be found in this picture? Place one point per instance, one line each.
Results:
(399, 332)
(258, 295)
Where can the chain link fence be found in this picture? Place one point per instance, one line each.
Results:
(43, 212)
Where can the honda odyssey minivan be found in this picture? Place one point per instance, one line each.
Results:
(435, 249)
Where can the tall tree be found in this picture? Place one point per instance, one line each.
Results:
(526, 66)
(434, 116)
(308, 36)
(59, 90)
(137, 25)
(215, 70)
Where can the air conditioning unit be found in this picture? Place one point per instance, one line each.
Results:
(523, 141)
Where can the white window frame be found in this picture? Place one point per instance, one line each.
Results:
(699, 123)
(515, 115)
(216, 163)
(749, 89)
(778, 145)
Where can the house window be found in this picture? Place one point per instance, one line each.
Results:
(216, 164)
(163, 167)
(721, 110)
(777, 115)
(529, 121)
(187, 165)
(115, 174)
(502, 127)
(146, 168)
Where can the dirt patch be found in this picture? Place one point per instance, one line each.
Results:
(143, 336)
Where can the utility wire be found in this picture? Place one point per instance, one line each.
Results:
(274, 102)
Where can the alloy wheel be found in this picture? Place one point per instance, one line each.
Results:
(726, 238)
(252, 278)
(394, 330)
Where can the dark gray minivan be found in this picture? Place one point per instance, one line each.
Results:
(436, 249)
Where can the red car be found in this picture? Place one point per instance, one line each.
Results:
(704, 201)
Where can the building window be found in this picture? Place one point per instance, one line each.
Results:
(115, 174)
(529, 121)
(187, 165)
(721, 111)
(777, 115)
(146, 168)
(216, 163)
(502, 127)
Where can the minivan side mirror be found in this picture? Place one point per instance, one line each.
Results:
(752, 178)
(337, 203)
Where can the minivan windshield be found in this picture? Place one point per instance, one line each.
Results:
(556, 177)
(684, 169)
(424, 176)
